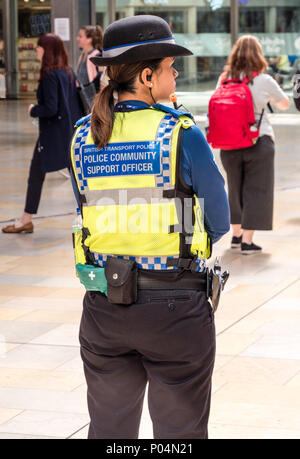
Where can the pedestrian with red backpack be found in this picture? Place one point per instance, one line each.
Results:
(239, 126)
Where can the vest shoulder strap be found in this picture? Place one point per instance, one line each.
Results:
(83, 120)
(175, 113)
(186, 122)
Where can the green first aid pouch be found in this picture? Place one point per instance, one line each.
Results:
(92, 277)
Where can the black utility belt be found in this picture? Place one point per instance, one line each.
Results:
(166, 281)
(124, 279)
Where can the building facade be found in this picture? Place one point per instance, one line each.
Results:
(204, 26)
(22, 22)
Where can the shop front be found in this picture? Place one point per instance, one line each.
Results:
(2, 59)
(34, 19)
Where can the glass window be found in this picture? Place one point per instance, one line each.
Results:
(100, 19)
(252, 20)
(2, 65)
(288, 19)
(175, 18)
(84, 12)
(34, 18)
(213, 21)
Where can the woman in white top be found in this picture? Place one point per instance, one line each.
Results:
(250, 171)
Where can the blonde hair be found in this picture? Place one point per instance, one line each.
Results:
(246, 57)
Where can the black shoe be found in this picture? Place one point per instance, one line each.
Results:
(236, 242)
(249, 249)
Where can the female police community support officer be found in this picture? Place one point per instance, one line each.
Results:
(143, 174)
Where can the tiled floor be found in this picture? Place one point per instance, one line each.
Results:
(256, 382)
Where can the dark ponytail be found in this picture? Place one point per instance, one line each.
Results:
(123, 80)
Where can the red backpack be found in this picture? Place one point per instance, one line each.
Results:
(232, 123)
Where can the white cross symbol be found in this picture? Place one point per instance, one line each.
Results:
(92, 275)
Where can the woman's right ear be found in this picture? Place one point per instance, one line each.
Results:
(146, 77)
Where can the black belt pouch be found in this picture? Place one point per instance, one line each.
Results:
(121, 276)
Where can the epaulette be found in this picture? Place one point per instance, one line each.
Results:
(83, 120)
(172, 111)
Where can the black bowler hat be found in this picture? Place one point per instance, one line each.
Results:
(138, 38)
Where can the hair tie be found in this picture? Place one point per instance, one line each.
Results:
(114, 84)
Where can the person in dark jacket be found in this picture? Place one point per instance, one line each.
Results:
(296, 93)
(90, 42)
(57, 110)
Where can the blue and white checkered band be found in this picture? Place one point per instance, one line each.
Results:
(79, 141)
(154, 263)
(164, 136)
(118, 50)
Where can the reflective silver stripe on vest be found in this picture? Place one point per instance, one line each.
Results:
(122, 197)
(113, 52)
(153, 263)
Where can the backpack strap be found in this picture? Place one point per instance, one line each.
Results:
(223, 77)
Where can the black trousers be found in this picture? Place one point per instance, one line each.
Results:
(167, 339)
(250, 177)
(35, 183)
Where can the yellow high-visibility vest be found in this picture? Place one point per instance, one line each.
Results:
(132, 205)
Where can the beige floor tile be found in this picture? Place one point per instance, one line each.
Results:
(4, 299)
(41, 379)
(12, 313)
(37, 357)
(282, 303)
(36, 303)
(6, 347)
(82, 434)
(221, 360)
(263, 316)
(42, 270)
(24, 290)
(58, 223)
(9, 259)
(62, 335)
(233, 343)
(236, 432)
(259, 394)
(71, 293)
(239, 302)
(48, 315)
(51, 424)
(245, 414)
(7, 414)
(65, 258)
(293, 291)
(251, 370)
(294, 382)
(276, 346)
(7, 205)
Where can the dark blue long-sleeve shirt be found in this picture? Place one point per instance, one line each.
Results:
(200, 171)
